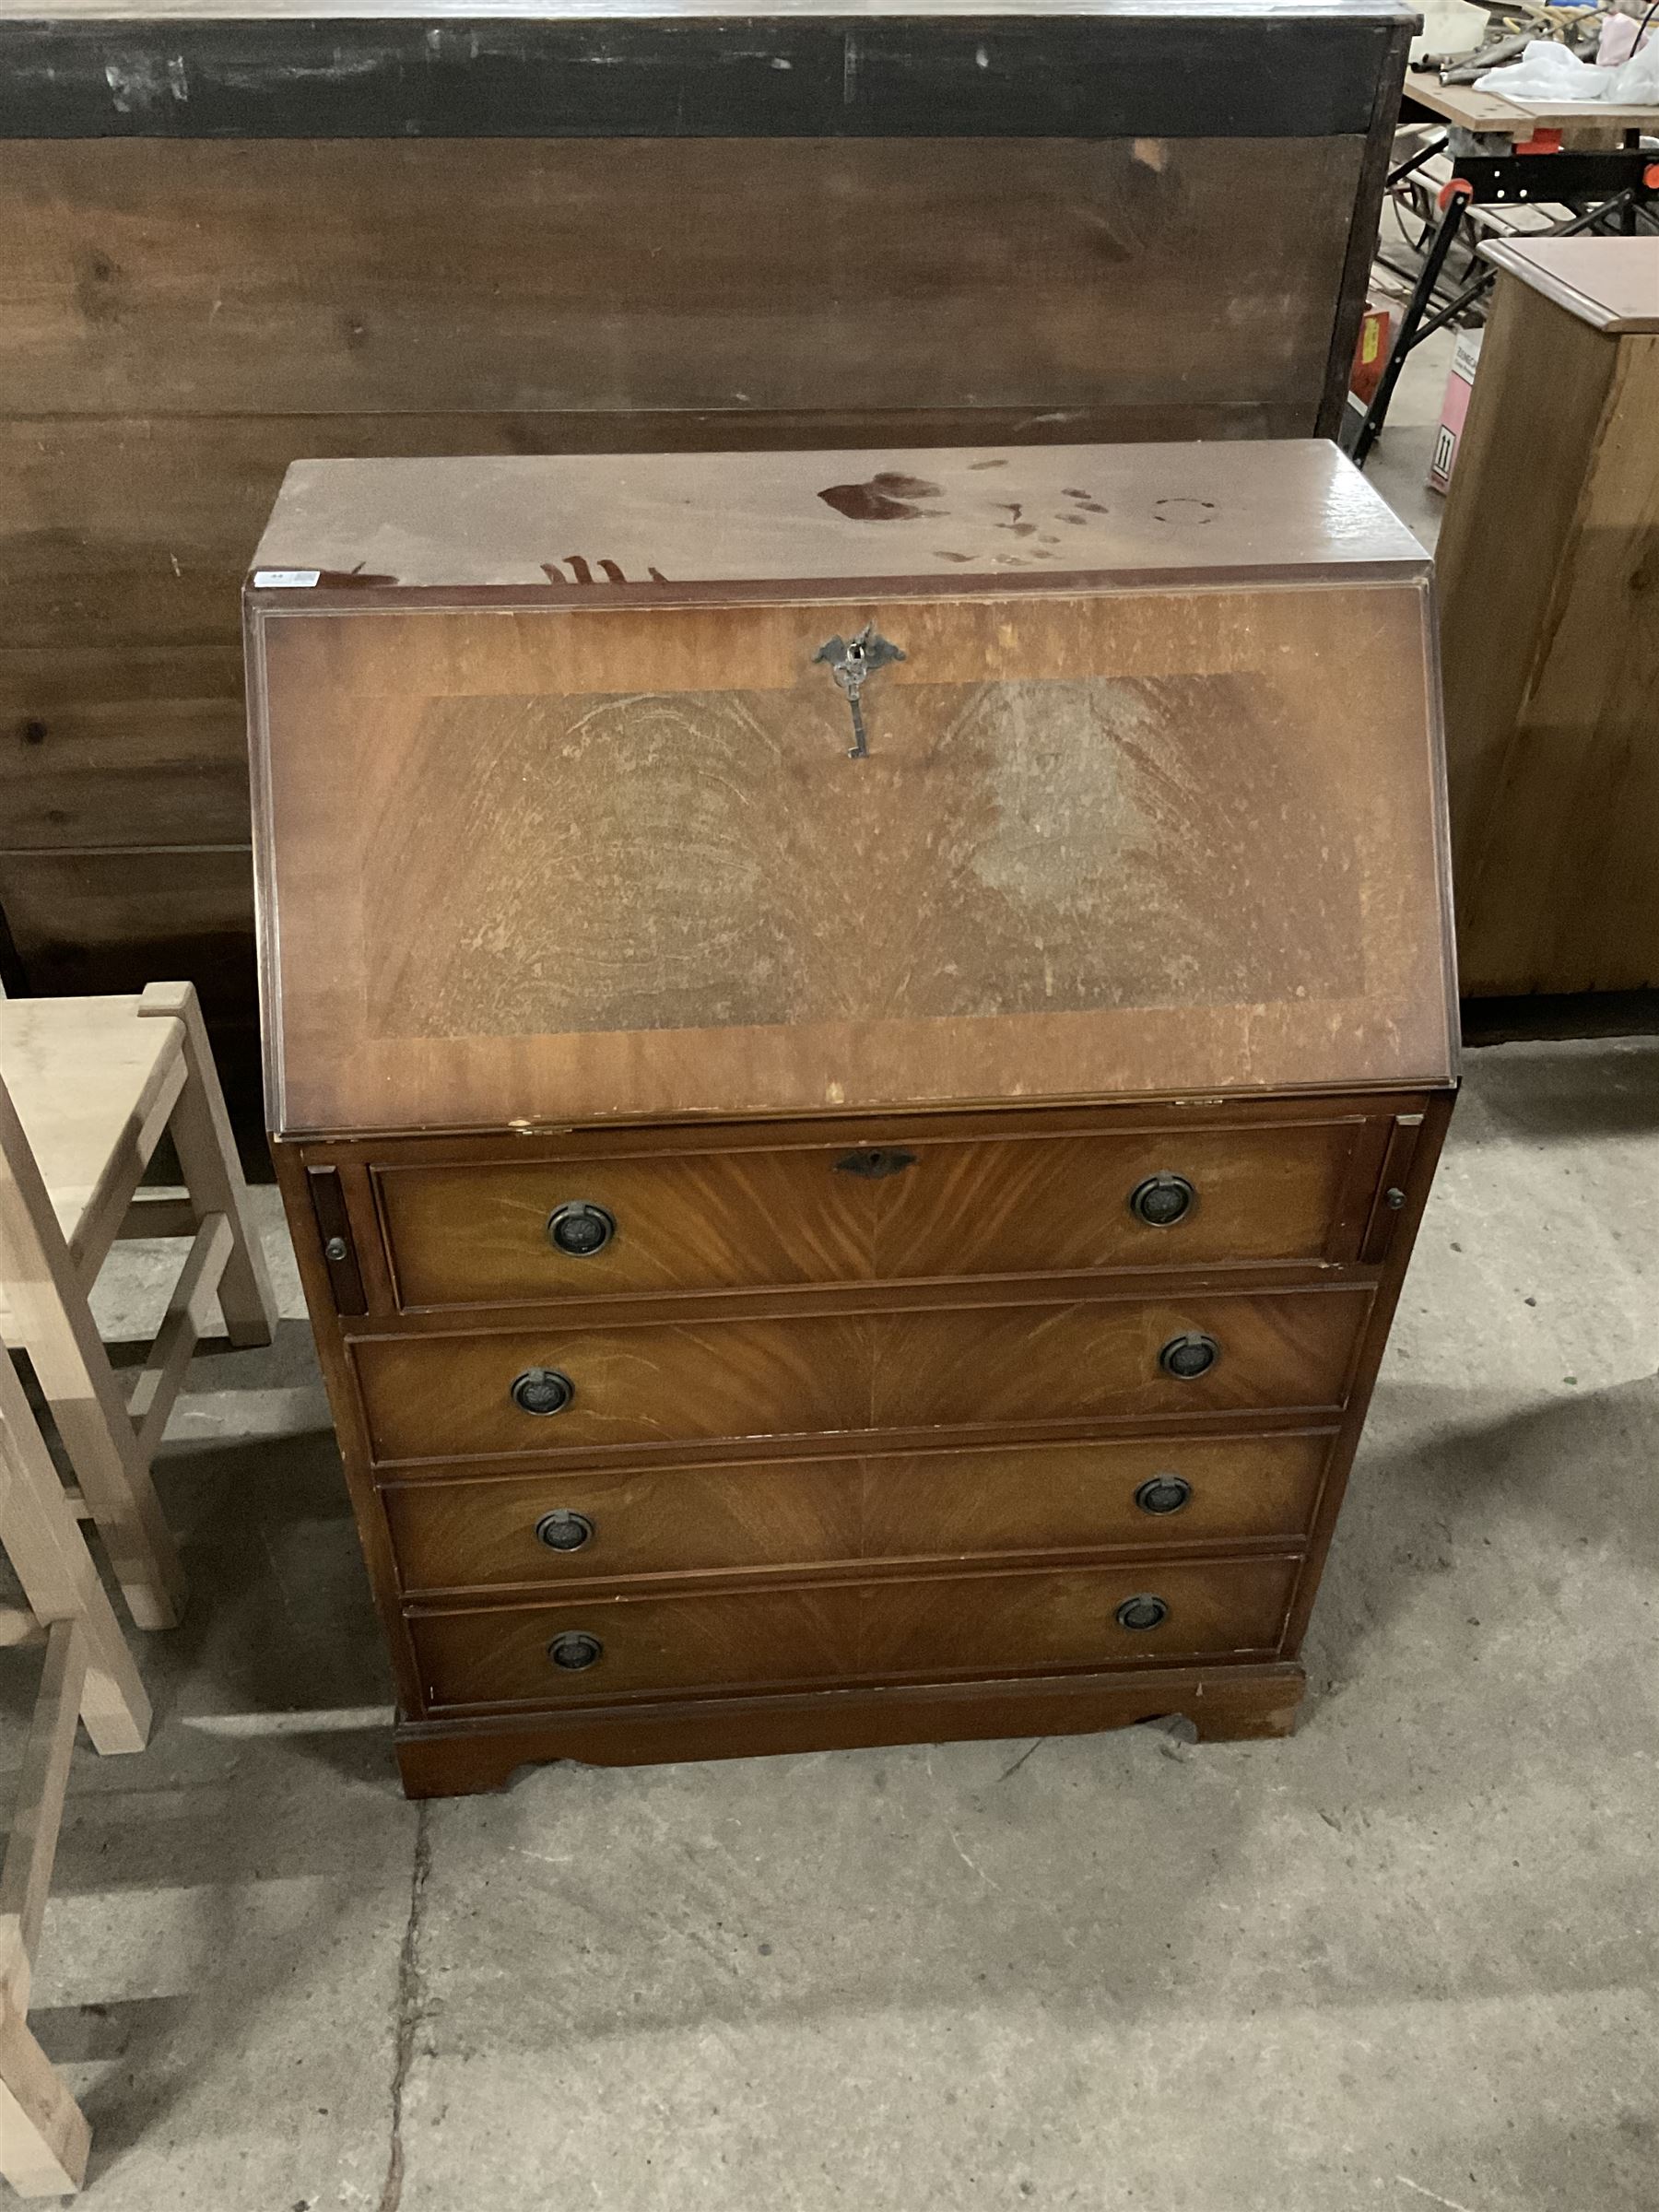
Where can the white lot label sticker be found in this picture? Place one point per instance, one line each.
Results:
(285, 579)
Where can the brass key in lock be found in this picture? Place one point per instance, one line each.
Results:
(853, 661)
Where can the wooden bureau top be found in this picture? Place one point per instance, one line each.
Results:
(585, 523)
(1152, 802)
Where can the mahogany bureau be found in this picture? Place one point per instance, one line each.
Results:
(855, 1045)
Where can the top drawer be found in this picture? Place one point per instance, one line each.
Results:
(610, 1222)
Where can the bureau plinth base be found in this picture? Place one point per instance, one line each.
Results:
(455, 1758)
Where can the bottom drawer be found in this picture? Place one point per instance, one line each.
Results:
(593, 1648)
(603, 1525)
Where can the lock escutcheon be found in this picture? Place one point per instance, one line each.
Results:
(574, 1650)
(1140, 1613)
(875, 1162)
(1163, 1494)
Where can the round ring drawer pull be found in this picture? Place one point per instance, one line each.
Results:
(565, 1531)
(581, 1229)
(542, 1390)
(1163, 1494)
(1141, 1613)
(1188, 1356)
(574, 1650)
(1163, 1200)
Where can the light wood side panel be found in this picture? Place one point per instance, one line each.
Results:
(1510, 520)
(1594, 717)
(435, 1397)
(895, 1207)
(985, 1624)
(782, 1513)
(613, 275)
(1554, 737)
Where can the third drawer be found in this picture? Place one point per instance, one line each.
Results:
(607, 1524)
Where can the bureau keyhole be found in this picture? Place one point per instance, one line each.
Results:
(1142, 1612)
(875, 1162)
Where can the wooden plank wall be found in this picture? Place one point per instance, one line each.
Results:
(180, 318)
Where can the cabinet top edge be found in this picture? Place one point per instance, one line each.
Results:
(1408, 1095)
(588, 528)
(598, 13)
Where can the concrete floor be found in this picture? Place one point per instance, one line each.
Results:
(1405, 1958)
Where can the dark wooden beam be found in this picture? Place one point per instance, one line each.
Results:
(1247, 70)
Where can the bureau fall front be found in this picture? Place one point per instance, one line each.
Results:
(855, 1044)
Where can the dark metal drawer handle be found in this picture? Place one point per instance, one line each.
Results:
(1141, 1613)
(581, 1229)
(542, 1390)
(872, 1165)
(1188, 1356)
(1163, 1494)
(574, 1650)
(1163, 1200)
(564, 1531)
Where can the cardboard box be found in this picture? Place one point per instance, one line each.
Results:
(1453, 408)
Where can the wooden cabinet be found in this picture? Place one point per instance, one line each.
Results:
(1551, 631)
(853, 1088)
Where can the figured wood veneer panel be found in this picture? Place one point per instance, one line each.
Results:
(435, 1397)
(1261, 1194)
(530, 865)
(1030, 822)
(701, 1221)
(454, 1536)
(760, 1216)
(948, 1625)
(1099, 1361)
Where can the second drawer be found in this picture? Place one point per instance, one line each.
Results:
(563, 1389)
(603, 1525)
